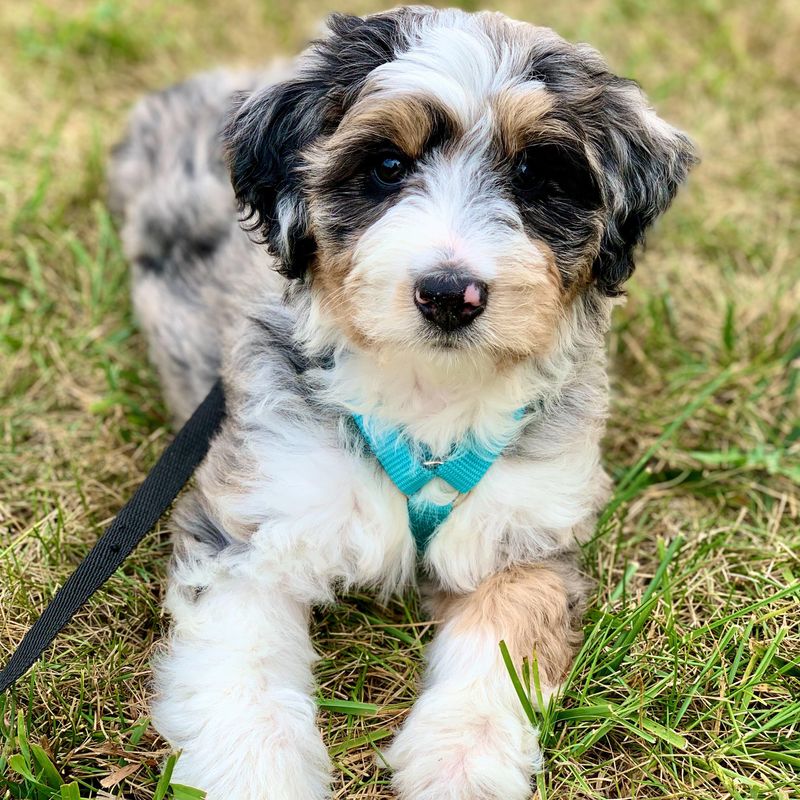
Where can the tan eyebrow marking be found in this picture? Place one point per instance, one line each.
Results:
(407, 122)
(519, 111)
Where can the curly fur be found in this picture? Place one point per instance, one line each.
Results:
(532, 169)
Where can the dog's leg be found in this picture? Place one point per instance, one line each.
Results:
(234, 690)
(467, 737)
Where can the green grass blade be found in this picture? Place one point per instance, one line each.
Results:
(162, 787)
(181, 792)
(518, 688)
(49, 772)
(351, 707)
(70, 791)
(360, 741)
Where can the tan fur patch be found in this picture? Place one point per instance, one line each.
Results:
(404, 121)
(333, 282)
(520, 113)
(528, 304)
(528, 608)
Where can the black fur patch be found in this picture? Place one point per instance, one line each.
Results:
(350, 189)
(278, 342)
(269, 129)
(651, 173)
(648, 165)
(193, 518)
(175, 243)
(558, 196)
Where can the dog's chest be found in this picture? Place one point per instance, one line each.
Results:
(339, 501)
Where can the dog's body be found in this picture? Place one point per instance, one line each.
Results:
(452, 201)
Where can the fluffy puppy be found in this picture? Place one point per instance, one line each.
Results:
(448, 203)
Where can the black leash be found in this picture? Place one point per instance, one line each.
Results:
(129, 527)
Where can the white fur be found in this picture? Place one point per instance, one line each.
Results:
(234, 692)
(455, 61)
(467, 737)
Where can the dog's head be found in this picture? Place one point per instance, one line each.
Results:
(443, 180)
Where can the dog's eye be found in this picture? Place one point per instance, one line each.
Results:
(536, 177)
(529, 180)
(549, 171)
(390, 169)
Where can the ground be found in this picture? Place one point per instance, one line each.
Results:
(689, 682)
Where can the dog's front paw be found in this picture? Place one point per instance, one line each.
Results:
(296, 771)
(258, 771)
(271, 750)
(453, 748)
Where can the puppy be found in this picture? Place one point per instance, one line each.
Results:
(439, 208)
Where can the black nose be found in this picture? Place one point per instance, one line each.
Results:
(450, 300)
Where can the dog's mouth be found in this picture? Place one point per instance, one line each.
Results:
(450, 340)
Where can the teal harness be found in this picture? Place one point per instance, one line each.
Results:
(412, 468)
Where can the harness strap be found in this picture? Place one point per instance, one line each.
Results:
(413, 468)
(129, 527)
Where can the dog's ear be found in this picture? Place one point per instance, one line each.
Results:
(264, 136)
(268, 131)
(645, 160)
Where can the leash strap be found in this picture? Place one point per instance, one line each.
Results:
(129, 527)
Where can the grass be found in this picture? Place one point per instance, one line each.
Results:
(689, 681)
